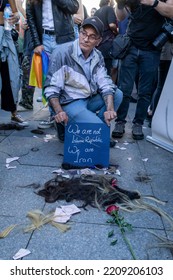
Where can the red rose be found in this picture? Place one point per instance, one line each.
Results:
(112, 208)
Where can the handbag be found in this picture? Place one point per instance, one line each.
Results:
(120, 46)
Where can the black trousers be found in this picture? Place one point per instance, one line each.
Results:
(7, 100)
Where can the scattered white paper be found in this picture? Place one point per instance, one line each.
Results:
(60, 216)
(70, 209)
(48, 137)
(118, 172)
(144, 159)
(34, 136)
(126, 143)
(9, 166)
(129, 158)
(21, 253)
(8, 160)
(121, 148)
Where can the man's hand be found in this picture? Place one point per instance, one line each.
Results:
(77, 19)
(61, 117)
(109, 116)
(39, 49)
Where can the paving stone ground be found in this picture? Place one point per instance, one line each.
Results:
(88, 237)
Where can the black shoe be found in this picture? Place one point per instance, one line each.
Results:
(112, 143)
(118, 130)
(60, 131)
(137, 132)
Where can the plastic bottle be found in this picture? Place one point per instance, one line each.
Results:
(7, 14)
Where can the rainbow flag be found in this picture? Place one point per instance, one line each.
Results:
(38, 71)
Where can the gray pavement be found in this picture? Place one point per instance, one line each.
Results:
(87, 238)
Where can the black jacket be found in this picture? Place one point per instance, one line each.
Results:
(62, 16)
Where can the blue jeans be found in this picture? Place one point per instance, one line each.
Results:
(145, 64)
(49, 43)
(90, 110)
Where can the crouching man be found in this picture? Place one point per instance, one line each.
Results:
(77, 85)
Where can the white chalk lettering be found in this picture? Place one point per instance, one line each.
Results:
(85, 131)
(74, 130)
(76, 139)
(89, 150)
(97, 131)
(90, 140)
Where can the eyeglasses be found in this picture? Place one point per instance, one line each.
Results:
(92, 38)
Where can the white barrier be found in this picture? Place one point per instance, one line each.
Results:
(162, 122)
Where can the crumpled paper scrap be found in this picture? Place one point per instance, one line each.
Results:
(70, 209)
(60, 216)
(21, 253)
(48, 137)
(145, 159)
(9, 160)
(121, 148)
(63, 214)
(129, 158)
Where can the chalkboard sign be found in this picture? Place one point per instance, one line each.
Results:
(87, 144)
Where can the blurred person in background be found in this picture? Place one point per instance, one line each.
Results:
(51, 24)
(78, 18)
(93, 10)
(107, 15)
(9, 65)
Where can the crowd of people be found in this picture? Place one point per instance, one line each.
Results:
(84, 83)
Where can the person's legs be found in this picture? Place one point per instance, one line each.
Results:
(148, 67)
(78, 111)
(126, 77)
(27, 91)
(97, 105)
(7, 100)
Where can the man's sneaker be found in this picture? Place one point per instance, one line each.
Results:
(46, 124)
(60, 131)
(137, 132)
(118, 130)
(18, 119)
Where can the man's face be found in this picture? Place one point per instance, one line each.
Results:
(88, 39)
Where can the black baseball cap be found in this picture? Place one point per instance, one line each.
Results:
(96, 23)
